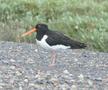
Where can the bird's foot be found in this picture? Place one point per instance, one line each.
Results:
(52, 64)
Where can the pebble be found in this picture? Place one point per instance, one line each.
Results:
(26, 80)
(37, 86)
(20, 88)
(18, 73)
(66, 72)
(12, 67)
(31, 84)
(64, 87)
(81, 77)
(55, 81)
(1, 87)
(12, 60)
(90, 82)
(73, 87)
(30, 61)
(75, 59)
(36, 50)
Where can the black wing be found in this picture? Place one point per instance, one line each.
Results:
(57, 38)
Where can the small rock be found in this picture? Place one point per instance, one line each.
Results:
(1, 87)
(12, 67)
(90, 82)
(66, 72)
(20, 88)
(18, 73)
(81, 77)
(26, 80)
(38, 74)
(75, 59)
(36, 50)
(64, 87)
(39, 87)
(55, 81)
(12, 60)
(11, 81)
(48, 75)
(29, 60)
(99, 79)
(73, 87)
(2, 84)
(31, 84)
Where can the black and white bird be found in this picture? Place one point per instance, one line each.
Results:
(53, 40)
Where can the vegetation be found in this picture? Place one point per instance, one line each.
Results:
(83, 20)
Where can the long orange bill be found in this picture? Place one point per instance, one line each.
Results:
(29, 32)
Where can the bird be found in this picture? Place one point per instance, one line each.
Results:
(53, 40)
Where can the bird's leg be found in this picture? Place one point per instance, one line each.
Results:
(53, 58)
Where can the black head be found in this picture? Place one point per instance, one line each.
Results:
(41, 30)
(41, 27)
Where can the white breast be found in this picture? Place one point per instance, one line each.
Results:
(45, 45)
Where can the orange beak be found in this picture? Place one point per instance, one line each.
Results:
(29, 32)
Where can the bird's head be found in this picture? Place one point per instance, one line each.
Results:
(39, 28)
(42, 27)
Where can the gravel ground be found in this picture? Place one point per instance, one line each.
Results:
(23, 68)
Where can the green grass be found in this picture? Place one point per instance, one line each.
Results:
(83, 20)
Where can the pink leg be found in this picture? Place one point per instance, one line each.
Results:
(53, 58)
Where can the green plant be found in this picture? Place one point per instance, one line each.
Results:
(82, 20)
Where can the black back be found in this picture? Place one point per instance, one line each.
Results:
(57, 38)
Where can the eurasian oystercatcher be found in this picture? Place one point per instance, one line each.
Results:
(53, 40)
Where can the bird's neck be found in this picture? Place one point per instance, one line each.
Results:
(40, 35)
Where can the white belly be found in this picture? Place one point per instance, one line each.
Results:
(43, 44)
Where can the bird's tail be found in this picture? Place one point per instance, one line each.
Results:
(82, 45)
(78, 46)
